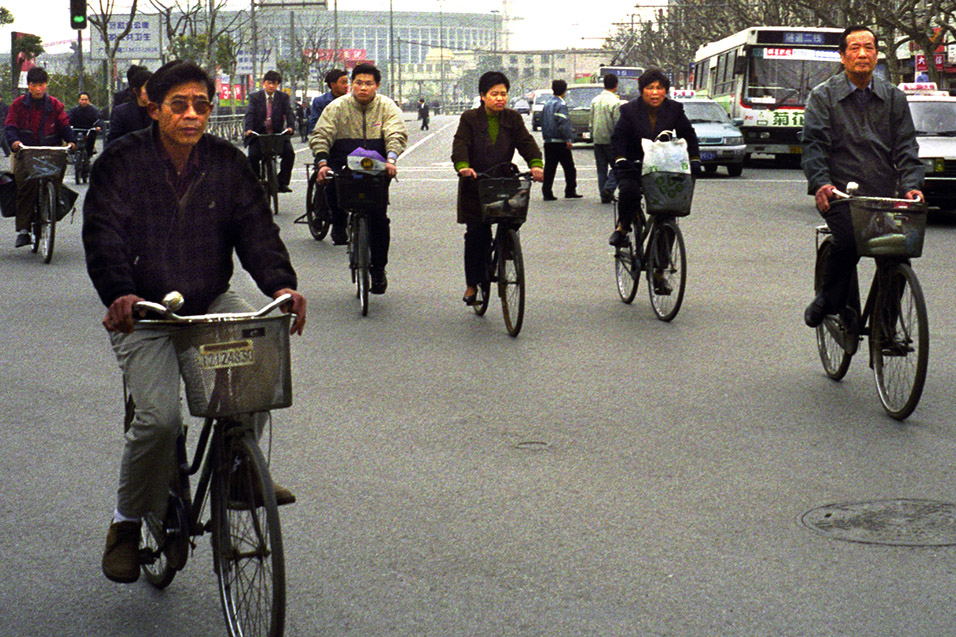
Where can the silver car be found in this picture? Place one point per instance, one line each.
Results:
(721, 142)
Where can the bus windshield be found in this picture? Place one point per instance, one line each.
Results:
(785, 81)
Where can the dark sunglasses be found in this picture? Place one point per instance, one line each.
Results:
(181, 106)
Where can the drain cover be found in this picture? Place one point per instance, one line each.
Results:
(901, 522)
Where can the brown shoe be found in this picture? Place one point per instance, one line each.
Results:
(239, 499)
(283, 495)
(121, 557)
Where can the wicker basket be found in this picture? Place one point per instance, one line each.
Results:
(668, 193)
(887, 227)
(504, 199)
(235, 367)
(271, 144)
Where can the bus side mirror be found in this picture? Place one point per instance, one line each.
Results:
(740, 66)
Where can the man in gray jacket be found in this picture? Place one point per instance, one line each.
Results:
(857, 127)
(605, 111)
(556, 130)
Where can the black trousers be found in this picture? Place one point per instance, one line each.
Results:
(558, 153)
(477, 252)
(285, 164)
(628, 203)
(379, 228)
(838, 274)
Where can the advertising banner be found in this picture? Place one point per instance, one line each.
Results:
(143, 42)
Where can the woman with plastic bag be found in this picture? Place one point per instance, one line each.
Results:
(644, 118)
(486, 141)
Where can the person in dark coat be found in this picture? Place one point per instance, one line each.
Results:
(131, 116)
(423, 112)
(486, 140)
(126, 95)
(85, 116)
(644, 117)
(271, 111)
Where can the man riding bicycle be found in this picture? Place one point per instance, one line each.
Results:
(857, 127)
(373, 122)
(86, 116)
(34, 119)
(168, 207)
(270, 111)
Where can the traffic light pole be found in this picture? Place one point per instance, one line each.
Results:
(79, 57)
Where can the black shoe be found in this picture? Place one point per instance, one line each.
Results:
(550, 198)
(606, 198)
(23, 239)
(379, 281)
(815, 312)
(284, 189)
(661, 286)
(339, 237)
(618, 239)
(573, 195)
(470, 299)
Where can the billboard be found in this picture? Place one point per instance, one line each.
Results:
(21, 62)
(143, 42)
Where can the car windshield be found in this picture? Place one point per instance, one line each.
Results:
(580, 97)
(703, 112)
(934, 118)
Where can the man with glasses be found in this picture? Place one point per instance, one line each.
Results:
(270, 111)
(371, 121)
(167, 209)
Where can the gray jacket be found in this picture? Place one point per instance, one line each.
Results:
(873, 145)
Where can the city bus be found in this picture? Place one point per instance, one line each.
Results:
(763, 75)
(626, 79)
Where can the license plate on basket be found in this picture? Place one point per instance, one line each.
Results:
(708, 155)
(225, 355)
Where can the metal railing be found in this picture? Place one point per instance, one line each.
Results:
(228, 126)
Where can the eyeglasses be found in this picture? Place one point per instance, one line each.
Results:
(181, 106)
(363, 84)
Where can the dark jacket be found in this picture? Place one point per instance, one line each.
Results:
(473, 146)
(140, 239)
(42, 123)
(283, 115)
(318, 105)
(84, 116)
(556, 121)
(635, 125)
(127, 118)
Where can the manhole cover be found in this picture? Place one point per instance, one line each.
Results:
(532, 445)
(892, 522)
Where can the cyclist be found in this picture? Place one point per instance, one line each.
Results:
(131, 115)
(338, 82)
(368, 120)
(85, 115)
(270, 111)
(487, 136)
(167, 208)
(34, 119)
(857, 127)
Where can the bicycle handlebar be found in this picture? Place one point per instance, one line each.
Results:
(852, 188)
(171, 318)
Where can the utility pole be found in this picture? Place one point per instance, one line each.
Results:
(79, 57)
(255, 43)
(441, 49)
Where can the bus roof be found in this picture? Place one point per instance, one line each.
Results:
(785, 36)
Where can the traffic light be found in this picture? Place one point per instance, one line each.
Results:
(78, 14)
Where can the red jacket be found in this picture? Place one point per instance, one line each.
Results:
(43, 123)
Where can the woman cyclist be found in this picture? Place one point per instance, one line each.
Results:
(644, 117)
(485, 141)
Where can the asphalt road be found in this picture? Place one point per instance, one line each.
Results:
(604, 473)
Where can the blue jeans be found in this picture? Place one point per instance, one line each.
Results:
(604, 161)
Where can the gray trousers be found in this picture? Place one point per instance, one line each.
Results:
(149, 364)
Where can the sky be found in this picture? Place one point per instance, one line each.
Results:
(539, 24)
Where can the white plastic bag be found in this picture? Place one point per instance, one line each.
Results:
(668, 156)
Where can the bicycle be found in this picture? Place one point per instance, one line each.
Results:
(318, 215)
(659, 251)
(232, 364)
(358, 194)
(45, 164)
(270, 148)
(504, 202)
(894, 317)
(81, 160)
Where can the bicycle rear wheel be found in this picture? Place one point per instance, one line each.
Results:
(666, 269)
(899, 340)
(831, 333)
(362, 263)
(626, 271)
(317, 213)
(511, 280)
(247, 540)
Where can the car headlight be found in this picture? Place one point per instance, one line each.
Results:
(934, 164)
(734, 141)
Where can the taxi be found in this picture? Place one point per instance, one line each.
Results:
(934, 115)
(721, 142)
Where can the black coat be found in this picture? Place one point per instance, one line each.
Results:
(283, 114)
(127, 118)
(635, 124)
(473, 145)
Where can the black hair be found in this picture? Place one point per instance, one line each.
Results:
(490, 79)
(367, 69)
(139, 79)
(853, 29)
(272, 76)
(333, 76)
(559, 87)
(37, 75)
(132, 70)
(173, 74)
(82, 93)
(610, 81)
(652, 75)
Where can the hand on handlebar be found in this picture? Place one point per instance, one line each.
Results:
(468, 173)
(296, 306)
(323, 173)
(825, 194)
(914, 194)
(119, 316)
(391, 169)
(537, 174)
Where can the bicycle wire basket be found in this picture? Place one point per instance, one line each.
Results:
(271, 144)
(504, 198)
(884, 227)
(362, 192)
(235, 366)
(41, 163)
(667, 193)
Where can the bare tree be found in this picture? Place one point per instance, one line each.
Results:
(195, 27)
(100, 21)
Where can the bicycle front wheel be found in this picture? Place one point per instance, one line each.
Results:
(79, 165)
(361, 263)
(666, 269)
(273, 181)
(317, 212)
(899, 340)
(46, 222)
(626, 271)
(511, 280)
(247, 540)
